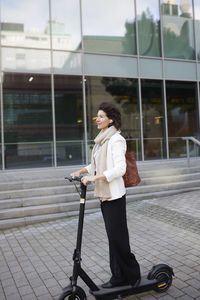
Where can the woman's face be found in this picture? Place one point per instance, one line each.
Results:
(102, 120)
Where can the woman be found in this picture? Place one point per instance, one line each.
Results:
(108, 165)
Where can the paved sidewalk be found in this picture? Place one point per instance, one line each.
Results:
(36, 261)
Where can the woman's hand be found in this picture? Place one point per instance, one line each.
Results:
(79, 172)
(86, 179)
(75, 174)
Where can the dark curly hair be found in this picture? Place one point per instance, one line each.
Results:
(112, 113)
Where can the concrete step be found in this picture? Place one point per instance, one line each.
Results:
(53, 212)
(44, 196)
(34, 192)
(42, 200)
(16, 222)
(40, 178)
(15, 190)
(31, 196)
(39, 205)
(43, 209)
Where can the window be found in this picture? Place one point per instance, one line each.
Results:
(178, 35)
(109, 26)
(27, 120)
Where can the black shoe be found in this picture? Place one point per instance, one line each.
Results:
(109, 284)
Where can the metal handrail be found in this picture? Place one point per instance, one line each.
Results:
(195, 141)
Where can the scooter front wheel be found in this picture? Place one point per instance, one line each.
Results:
(78, 295)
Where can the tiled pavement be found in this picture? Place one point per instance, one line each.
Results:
(36, 261)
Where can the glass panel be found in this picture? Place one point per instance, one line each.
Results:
(67, 63)
(181, 70)
(153, 119)
(123, 92)
(27, 120)
(178, 36)
(197, 25)
(149, 27)
(25, 60)
(69, 120)
(109, 26)
(66, 24)
(25, 23)
(182, 115)
(105, 65)
(151, 68)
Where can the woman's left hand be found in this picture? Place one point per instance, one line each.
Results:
(86, 179)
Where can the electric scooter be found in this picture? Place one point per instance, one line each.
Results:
(159, 278)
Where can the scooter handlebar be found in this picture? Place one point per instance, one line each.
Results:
(75, 178)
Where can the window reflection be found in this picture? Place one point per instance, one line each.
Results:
(197, 25)
(66, 24)
(182, 115)
(109, 26)
(178, 29)
(153, 119)
(25, 23)
(123, 92)
(24, 59)
(69, 120)
(27, 120)
(149, 27)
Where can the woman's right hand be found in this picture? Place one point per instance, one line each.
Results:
(75, 174)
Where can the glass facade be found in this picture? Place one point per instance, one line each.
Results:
(69, 120)
(60, 59)
(149, 27)
(197, 26)
(27, 120)
(178, 19)
(153, 119)
(25, 23)
(103, 33)
(182, 115)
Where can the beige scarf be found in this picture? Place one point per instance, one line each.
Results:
(102, 186)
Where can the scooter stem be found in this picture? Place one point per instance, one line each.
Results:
(81, 218)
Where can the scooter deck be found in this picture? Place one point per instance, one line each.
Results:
(125, 290)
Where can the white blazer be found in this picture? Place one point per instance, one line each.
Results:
(116, 166)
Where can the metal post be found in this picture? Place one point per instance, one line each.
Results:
(164, 83)
(188, 152)
(1, 109)
(139, 85)
(52, 91)
(83, 89)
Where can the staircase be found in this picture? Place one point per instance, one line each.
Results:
(37, 195)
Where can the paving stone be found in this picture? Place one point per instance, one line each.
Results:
(36, 260)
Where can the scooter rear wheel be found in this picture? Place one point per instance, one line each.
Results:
(78, 295)
(164, 277)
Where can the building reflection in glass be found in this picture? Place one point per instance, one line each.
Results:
(109, 26)
(25, 23)
(197, 25)
(148, 17)
(178, 35)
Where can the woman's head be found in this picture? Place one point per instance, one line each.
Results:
(111, 112)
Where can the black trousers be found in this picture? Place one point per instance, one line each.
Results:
(123, 264)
